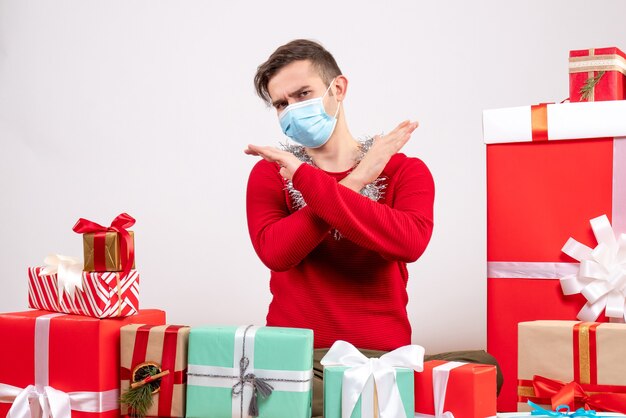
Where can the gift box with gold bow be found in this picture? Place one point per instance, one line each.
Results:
(550, 170)
(597, 74)
(578, 364)
(62, 366)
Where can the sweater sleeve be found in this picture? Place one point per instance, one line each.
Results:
(399, 230)
(281, 239)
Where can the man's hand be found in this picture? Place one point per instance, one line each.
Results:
(287, 161)
(379, 154)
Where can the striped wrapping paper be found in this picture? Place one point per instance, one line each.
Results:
(103, 294)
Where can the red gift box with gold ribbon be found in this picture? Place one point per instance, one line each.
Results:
(597, 74)
(66, 365)
(579, 364)
(164, 349)
(550, 169)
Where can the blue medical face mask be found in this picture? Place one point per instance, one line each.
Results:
(307, 123)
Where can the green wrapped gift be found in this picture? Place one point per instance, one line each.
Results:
(240, 371)
(359, 387)
(333, 377)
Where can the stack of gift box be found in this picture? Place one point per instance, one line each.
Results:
(87, 350)
(556, 243)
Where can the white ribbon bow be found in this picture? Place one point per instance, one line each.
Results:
(601, 277)
(69, 271)
(382, 369)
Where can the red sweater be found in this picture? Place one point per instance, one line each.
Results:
(353, 288)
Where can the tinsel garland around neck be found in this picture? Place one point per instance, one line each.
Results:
(374, 190)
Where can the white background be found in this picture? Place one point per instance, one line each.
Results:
(146, 107)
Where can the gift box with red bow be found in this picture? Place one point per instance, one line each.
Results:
(64, 366)
(597, 74)
(109, 248)
(464, 390)
(550, 170)
(155, 355)
(578, 364)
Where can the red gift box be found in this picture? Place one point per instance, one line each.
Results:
(103, 295)
(601, 71)
(540, 193)
(469, 390)
(58, 360)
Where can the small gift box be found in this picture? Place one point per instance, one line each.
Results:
(108, 248)
(578, 364)
(359, 387)
(148, 351)
(63, 365)
(550, 169)
(597, 74)
(465, 390)
(249, 371)
(68, 290)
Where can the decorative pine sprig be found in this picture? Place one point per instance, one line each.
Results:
(590, 84)
(139, 396)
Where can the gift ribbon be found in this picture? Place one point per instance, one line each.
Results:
(119, 225)
(441, 375)
(548, 270)
(539, 122)
(574, 395)
(561, 411)
(69, 271)
(43, 401)
(246, 381)
(608, 62)
(363, 373)
(601, 278)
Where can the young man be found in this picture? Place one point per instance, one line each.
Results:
(335, 219)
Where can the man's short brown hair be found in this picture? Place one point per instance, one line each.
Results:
(296, 50)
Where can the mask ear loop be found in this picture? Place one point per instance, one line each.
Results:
(338, 102)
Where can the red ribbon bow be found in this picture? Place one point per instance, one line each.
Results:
(119, 225)
(573, 395)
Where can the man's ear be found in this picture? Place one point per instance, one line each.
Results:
(340, 86)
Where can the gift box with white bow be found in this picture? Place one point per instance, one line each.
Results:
(550, 170)
(455, 389)
(63, 286)
(62, 366)
(578, 364)
(359, 387)
(239, 372)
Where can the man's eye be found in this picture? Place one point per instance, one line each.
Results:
(304, 93)
(280, 106)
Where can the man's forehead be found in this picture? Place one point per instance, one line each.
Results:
(293, 77)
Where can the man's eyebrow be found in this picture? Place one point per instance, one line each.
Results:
(292, 94)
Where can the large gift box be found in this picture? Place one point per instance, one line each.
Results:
(597, 74)
(109, 248)
(240, 371)
(65, 365)
(465, 390)
(97, 294)
(550, 170)
(149, 350)
(578, 364)
(359, 387)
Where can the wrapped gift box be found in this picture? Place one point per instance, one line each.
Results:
(230, 367)
(103, 295)
(554, 353)
(603, 68)
(333, 382)
(550, 169)
(163, 347)
(466, 390)
(109, 248)
(63, 359)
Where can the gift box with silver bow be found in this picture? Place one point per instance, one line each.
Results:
(249, 371)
